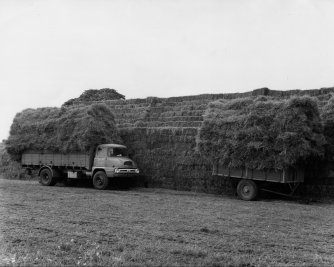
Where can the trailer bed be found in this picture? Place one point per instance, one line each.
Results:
(290, 175)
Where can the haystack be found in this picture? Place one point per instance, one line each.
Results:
(92, 95)
(262, 133)
(66, 129)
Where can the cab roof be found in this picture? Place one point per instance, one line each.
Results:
(112, 145)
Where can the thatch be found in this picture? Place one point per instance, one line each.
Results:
(95, 95)
(62, 129)
(262, 133)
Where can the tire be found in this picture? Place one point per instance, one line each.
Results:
(247, 190)
(100, 180)
(46, 178)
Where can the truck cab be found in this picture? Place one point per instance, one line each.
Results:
(111, 160)
(114, 160)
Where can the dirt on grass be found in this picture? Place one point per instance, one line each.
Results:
(66, 226)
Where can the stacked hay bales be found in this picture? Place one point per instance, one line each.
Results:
(262, 133)
(167, 157)
(66, 129)
(161, 134)
(95, 95)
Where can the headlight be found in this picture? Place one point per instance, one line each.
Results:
(137, 170)
(116, 170)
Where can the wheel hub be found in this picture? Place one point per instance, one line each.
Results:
(246, 189)
(45, 178)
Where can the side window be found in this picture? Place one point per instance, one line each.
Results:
(119, 152)
(110, 152)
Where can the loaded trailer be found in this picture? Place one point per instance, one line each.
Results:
(103, 163)
(249, 181)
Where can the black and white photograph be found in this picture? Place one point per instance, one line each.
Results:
(167, 133)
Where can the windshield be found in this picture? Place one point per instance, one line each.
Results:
(117, 152)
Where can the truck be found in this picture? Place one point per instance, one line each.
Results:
(101, 164)
(248, 181)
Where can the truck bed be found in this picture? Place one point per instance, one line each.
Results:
(76, 160)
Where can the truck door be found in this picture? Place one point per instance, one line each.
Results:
(112, 160)
(115, 157)
(100, 157)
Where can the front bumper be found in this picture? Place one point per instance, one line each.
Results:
(123, 172)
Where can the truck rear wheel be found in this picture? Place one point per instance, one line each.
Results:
(100, 180)
(247, 190)
(46, 178)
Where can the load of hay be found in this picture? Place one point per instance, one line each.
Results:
(95, 95)
(66, 129)
(262, 133)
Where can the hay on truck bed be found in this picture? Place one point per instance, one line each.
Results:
(262, 133)
(66, 129)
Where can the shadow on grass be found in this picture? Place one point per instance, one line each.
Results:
(114, 184)
(299, 197)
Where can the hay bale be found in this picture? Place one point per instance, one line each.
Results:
(91, 95)
(262, 133)
(66, 129)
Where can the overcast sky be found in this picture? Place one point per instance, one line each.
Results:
(51, 51)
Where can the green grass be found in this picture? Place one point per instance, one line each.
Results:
(156, 227)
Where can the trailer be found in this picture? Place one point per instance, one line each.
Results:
(250, 181)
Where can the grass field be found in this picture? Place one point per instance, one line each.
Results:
(155, 227)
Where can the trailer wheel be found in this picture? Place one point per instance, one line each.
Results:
(46, 178)
(247, 190)
(100, 180)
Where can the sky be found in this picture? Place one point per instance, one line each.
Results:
(51, 51)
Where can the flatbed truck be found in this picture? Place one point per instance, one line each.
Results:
(101, 164)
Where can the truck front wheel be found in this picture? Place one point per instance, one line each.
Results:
(46, 178)
(100, 180)
(247, 190)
